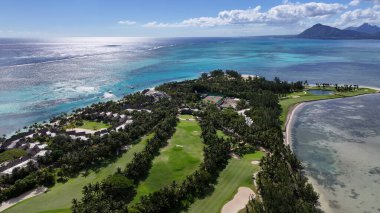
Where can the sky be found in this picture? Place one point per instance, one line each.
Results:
(178, 18)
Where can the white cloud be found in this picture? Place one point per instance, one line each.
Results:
(359, 16)
(376, 2)
(127, 22)
(281, 14)
(162, 25)
(354, 3)
(357, 2)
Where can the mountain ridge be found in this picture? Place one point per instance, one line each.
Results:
(319, 31)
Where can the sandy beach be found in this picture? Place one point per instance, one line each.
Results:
(289, 122)
(290, 119)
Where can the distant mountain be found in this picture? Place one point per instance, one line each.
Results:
(320, 31)
(366, 28)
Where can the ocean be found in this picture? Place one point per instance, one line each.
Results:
(41, 78)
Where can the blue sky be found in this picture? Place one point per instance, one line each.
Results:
(168, 18)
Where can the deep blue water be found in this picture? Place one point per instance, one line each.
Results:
(42, 78)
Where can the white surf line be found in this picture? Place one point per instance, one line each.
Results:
(29, 194)
(239, 201)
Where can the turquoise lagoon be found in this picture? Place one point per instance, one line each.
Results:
(41, 78)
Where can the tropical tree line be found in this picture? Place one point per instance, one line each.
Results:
(67, 156)
(178, 196)
(282, 186)
(229, 83)
(114, 193)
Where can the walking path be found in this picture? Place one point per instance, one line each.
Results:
(26, 195)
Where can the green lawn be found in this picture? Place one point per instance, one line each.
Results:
(294, 98)
(11, 154)
(237, 173)
(221, 134)
(92, 125)
(186, 116)
(58, 198)
(180, 158)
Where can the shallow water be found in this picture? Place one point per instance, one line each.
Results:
(341, 152)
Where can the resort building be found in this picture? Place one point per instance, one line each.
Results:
(230, 103)
(211, 99)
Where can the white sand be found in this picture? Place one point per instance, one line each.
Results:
(247, 76)
(26, 195)
(239, 201)
(233, 155)
(289, 123)
(255, 162)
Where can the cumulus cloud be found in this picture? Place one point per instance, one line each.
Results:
(357, 2)
(126, 22)
(285, 13)
(354, 3)
(359, 16)
(162, 25)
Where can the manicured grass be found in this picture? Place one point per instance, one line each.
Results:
(237, 173)
(92, 125)
(11, 154)
(221, 134)
(59, 197)
(294, 98)
(180, 158)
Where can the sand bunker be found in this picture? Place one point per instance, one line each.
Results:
(255, 162)
(239, 201)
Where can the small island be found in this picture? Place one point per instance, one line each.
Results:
(208, 144)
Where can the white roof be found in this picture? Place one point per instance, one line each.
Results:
(42, 146)
(20, 165)
(41, 153)
(32, 145)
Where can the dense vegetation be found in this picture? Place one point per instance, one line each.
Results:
(68, 156)
(179, 195)
(281, 184)
(99, 198)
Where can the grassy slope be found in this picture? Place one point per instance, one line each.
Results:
(237, 173)
(299, 97)
(60, 196)
(175, 163)
(11, 154)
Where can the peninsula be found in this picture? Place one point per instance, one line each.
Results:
(210, 144)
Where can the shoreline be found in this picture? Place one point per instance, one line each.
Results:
(294, 108)
(290, 119)
(289, 122)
